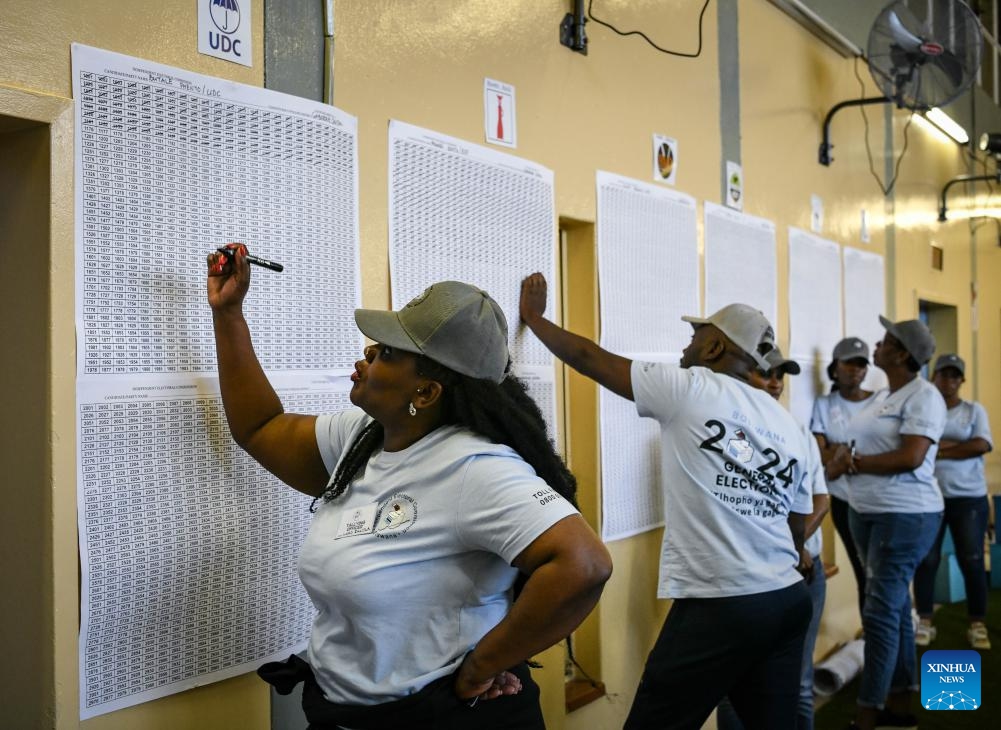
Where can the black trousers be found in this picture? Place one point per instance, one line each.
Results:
(435, 707)
(748, 647)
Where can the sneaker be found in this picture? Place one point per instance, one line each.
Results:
(977, 636)
(887, 719)
(925, 634)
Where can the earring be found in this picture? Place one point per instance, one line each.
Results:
(411, 410)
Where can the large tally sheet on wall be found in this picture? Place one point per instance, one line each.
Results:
(648, 274)
(464, 212)
(815, 322)
(188, 548)
(740, 261)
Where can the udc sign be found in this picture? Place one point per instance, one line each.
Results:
(950, 680)
(224, 30)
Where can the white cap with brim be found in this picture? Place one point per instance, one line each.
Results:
(747, 328)
(453, 323)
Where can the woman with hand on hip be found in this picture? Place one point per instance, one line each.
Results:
(896, 510)
(433, 499)
(959, 469)
(832, 414)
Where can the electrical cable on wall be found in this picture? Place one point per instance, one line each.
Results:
(644, 36)
(868, 150)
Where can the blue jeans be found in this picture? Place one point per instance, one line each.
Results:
(891, 545)
(966, 518)
(726, 716)
(750, 647)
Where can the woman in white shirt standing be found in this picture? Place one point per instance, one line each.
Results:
(434, 499)
(896, 510)
(832, 414)
(959, 469)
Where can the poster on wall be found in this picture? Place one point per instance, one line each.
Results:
(740, 261)
(464, 212)
(188, 548)
(648, 268)
(665, 159)
(224, 30)
(865, 299)
(499, 117)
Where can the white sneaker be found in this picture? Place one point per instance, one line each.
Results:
(925, 634)
(977, 636)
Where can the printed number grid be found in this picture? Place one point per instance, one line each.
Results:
(167, 177)
(191, 546)
(456, 217)
(631, 483)
(647, 245)
(740, 263)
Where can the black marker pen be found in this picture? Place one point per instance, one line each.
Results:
(230, 253)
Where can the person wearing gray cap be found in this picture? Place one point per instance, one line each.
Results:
(896, 510)
(445, 549)
(830, 424)
(960, 473)
(736, 497)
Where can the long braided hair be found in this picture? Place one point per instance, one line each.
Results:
(502, 412)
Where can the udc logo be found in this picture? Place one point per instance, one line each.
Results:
(225, 14)
(950, 680)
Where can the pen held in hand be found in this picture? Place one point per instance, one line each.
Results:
(256, 260)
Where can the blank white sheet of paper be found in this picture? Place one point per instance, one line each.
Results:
(865, 300)
(805, 388)
(648, 265)
(188, 549)
(460, 211)
(814, 296)
(740, 261)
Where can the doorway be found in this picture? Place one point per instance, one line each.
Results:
(943, 321)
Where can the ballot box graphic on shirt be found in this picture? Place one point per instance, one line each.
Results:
(740, 448)
(950, 680)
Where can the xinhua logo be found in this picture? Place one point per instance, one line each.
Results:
(950, 680)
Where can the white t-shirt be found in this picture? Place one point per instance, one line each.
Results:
(964, 477)
(411, 566)
(818, 485)
(734, 465)
(916, 409)
(832, 416)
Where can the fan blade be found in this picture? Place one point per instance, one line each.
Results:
(951, 66)
(907, 40)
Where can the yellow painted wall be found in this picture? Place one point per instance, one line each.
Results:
(424, 63)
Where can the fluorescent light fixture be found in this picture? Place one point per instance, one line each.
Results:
(944, 122)
(931, 129)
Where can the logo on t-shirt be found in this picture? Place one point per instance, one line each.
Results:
(396, 516)
(950, 680)
(740, 448)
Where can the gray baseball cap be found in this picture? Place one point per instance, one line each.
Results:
(452, 323)
(746, 326)
(776, 361)
(950, 360)
(851, 348)
(914, 335)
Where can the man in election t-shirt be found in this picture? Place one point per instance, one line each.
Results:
(735, 500)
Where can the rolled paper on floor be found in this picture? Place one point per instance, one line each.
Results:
(839, 669)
